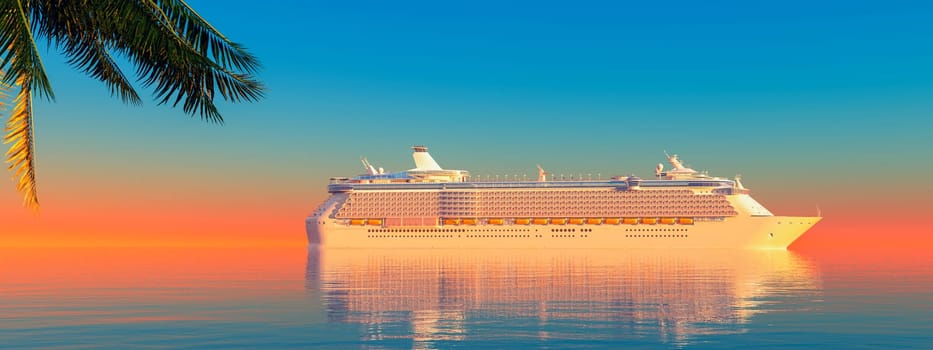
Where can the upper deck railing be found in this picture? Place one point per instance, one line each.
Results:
(619, 184)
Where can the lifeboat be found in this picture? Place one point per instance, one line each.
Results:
(500, 221)
(357, 222)
(451, 221)
(374, 222)
(522, 221)
(576, 221)
(612, 221)
(649, 221)
(630, 221)
(685, 221)
(595, 221)
(540, 221)
(557, 221)
(667, 221)
(469, 221)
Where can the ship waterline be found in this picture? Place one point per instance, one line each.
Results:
(429, 207)
(760, 233)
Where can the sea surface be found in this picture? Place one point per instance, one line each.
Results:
(77, 298)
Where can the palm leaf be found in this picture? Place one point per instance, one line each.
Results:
(72, 26)
(94, 59)
(22, 68)
(176, 68)
(207, 39)
(21, 155)
(20, 56)
(175, 51)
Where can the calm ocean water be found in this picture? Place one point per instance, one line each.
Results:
(305, 298)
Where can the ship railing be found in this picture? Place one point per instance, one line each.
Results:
(476, 185)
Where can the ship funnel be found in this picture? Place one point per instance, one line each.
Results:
(423, 159)
(369, 167)
(675, 162)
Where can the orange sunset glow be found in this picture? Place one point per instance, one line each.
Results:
(221, 215)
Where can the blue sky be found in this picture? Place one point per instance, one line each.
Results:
(774, 90)
(815, 103)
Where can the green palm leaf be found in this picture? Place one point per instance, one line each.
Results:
(176, 52)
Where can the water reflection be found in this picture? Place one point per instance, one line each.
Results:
(292, 297)
(428, 297)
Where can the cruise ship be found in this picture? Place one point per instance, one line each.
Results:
(432, 207)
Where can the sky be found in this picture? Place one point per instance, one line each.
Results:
(817, 105)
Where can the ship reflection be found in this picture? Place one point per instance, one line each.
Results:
(430, 296)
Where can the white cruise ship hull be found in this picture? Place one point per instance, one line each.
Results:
(769, 232)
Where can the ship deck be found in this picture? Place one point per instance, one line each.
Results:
(475, 185)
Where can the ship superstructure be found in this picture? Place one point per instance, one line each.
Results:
(430, 207)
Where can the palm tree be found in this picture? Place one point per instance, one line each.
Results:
(182, 57)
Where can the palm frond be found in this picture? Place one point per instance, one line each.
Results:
(180, 55)
(22, 68)
(175, 51)
(5, 90)
(179, 72)
(72, 27)
(20, 56)
(207, 39)
(21, 155)
(94, 59)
